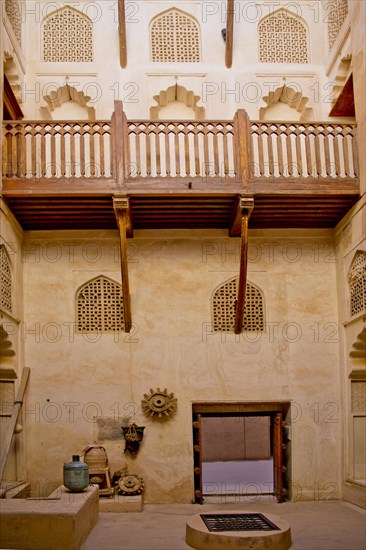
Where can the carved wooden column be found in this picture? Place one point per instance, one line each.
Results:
(122, 213)
(122, 33)
(245, 207)
(229, 34)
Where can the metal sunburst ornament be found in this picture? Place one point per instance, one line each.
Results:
(159, 403)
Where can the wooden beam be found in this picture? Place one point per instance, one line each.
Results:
(345, 103)
(229, 34)
(122, 33)
(12, 110)
(246, 204)
(13, 421)
(121, 209)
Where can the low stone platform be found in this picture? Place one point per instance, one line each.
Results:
(62, 520)
(120, 503)
(198, 536)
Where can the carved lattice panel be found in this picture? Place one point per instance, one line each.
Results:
(12, 9)
(283, 39)
(99, 306)
(224, 308)
(67, 36)
(358, 396)
(336, 13)
(357, 283)
(175, 38)
(5, 280)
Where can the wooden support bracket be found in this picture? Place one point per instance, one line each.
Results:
(122, 213)
(229, 34)
(246, 205)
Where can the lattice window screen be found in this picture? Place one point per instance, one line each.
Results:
(99, 306)
(336, 12)
(283, 39)
(357, 282)
(67, 36)
(12, 9)
(175, 37)
(224, 308)
(5, 280)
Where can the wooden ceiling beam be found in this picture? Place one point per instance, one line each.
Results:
(229, 34)
(122, 213)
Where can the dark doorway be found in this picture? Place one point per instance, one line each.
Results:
(240, 449)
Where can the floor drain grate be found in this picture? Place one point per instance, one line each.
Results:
(238, 522)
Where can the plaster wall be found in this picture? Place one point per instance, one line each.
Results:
(222, 91)
(84, 385)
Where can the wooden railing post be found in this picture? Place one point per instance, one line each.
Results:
(119, 142)
(243, 147)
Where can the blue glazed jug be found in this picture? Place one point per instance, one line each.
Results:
(76, 475)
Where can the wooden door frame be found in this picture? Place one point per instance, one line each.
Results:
(277, 410)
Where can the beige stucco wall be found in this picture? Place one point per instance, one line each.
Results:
(172, 275)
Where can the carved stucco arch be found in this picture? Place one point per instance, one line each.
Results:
(293, 98)
(64, 94)
(177, 93)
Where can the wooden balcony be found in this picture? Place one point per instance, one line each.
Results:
(192, 174)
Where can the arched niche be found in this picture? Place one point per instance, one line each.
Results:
(67, 103)
(285, 103)
(176, 102)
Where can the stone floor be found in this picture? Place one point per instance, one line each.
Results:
(331, 525)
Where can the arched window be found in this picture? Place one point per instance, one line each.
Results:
(67, 36)
(99, 306)
(175, 37)
(224, 307)
(5, 280)
(357, 282)
(336, 13)
(282, 39)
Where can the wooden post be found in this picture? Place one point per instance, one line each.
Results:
(122, 33)
(121, 210)
(278, 457)
(243, 147)
(119, 135)
(13, 420)
(245, 207)
(229, 34)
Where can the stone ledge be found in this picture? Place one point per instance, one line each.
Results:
(120, 503)
(63, 520)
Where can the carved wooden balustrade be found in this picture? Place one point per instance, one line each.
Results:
(131, 150)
